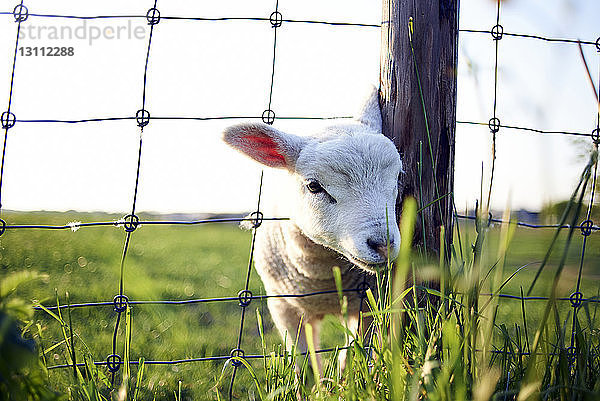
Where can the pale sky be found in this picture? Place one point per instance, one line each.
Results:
(207, 69)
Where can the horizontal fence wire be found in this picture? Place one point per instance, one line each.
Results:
(203, 359)
(302, 21)
(534, 130)
(263, 297)
(138, 223)
(76, 225)
(261, 356)
(530, 36)
(186, 18)
(131, 222)
(592, 134)
(531, 225)
(174, 118)
(196, 301)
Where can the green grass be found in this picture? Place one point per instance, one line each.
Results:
(163, 263)
(169, 262)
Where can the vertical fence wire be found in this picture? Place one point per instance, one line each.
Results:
(245, 295)
(587, 226)
(131, 221)
(494, 123)
(8, 118)
(577, 297)
(275, 19)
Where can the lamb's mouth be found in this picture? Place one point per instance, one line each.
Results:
(369, 266)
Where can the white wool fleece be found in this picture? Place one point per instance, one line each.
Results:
(342, 185)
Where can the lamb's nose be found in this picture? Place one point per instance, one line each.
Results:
(379, 246)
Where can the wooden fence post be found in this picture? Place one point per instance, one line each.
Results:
(428, 158)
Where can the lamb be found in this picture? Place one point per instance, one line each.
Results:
(343, 181)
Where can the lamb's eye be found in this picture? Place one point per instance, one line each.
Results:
(314, 186)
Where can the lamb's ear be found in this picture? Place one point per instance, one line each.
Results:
(265, 144)
(370, 114)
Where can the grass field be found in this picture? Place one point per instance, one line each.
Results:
(204, 261)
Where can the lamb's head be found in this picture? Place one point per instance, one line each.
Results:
(345, 182)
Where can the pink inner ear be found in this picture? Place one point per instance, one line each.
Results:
(266, 149)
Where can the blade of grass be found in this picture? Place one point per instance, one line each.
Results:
(313, 355)
(551, 304)
(583, 178)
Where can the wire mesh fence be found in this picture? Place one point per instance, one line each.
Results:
(131, 222)
(587, 226)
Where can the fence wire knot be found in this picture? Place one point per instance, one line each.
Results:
(494, 124)
(113, 362)
(20, 13)
(362, 288)
(596, 135)
(120, 303)
(8, 120)
(268, 116)
(586, 227)
(576, 299)
(2, 227)
(239, 353)
(598, 44)
(497, 32)
(244, 298)
(276, 19)
(257, 219)
(131, 222)
(142, 117)
(153, 16)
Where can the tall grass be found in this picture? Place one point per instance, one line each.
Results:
(451, 345)
(448, 345)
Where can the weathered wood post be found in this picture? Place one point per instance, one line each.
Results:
(428, 158)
